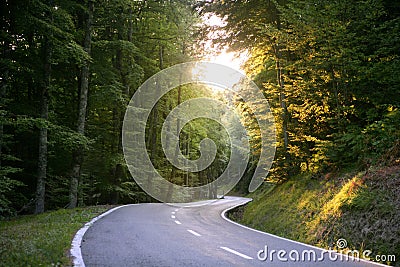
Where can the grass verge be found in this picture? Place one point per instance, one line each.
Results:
(362, 208)
(44, 239)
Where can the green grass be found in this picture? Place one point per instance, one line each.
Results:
(284, 209)
(42, 240)
(360, 207)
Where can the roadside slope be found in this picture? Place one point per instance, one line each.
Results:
(362, 208)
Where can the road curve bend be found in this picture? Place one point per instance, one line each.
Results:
(164, 235)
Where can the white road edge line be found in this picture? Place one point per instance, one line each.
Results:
(223, 215)
(193, 232)
(237, 253)
(76, 243)
(178, 222)
(173, 216)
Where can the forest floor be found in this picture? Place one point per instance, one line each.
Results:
(360, 207)
(44, 239)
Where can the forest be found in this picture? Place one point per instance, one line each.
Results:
(330, 71)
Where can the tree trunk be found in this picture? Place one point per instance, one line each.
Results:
(335, 88)
(282, 95)
(130, 24)
(179, 99)
(44, 114)
(84, 87)
(3, 89)
(152, 140)
(4, 81)
(282, 101)
(153, 137)
(173, 171)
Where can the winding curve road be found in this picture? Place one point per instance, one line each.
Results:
(164, 235)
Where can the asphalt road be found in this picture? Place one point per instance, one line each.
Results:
(164, 235)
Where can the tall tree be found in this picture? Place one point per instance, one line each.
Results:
(78, 154)
(44, 114)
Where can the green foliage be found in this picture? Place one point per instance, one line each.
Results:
(131, 40)
(190, 137)
(130, 192)
(329, 69)
(7, 188)
(365, 146)
(336, 65)
(67, 139)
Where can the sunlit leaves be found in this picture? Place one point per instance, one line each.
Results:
(340, 70)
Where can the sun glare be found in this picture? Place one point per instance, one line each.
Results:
(231, 59)
(234, 60)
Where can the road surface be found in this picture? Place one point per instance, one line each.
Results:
(163, 235)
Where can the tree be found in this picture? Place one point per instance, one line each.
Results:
(83, 98)
(44, 114)
(327, 57)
